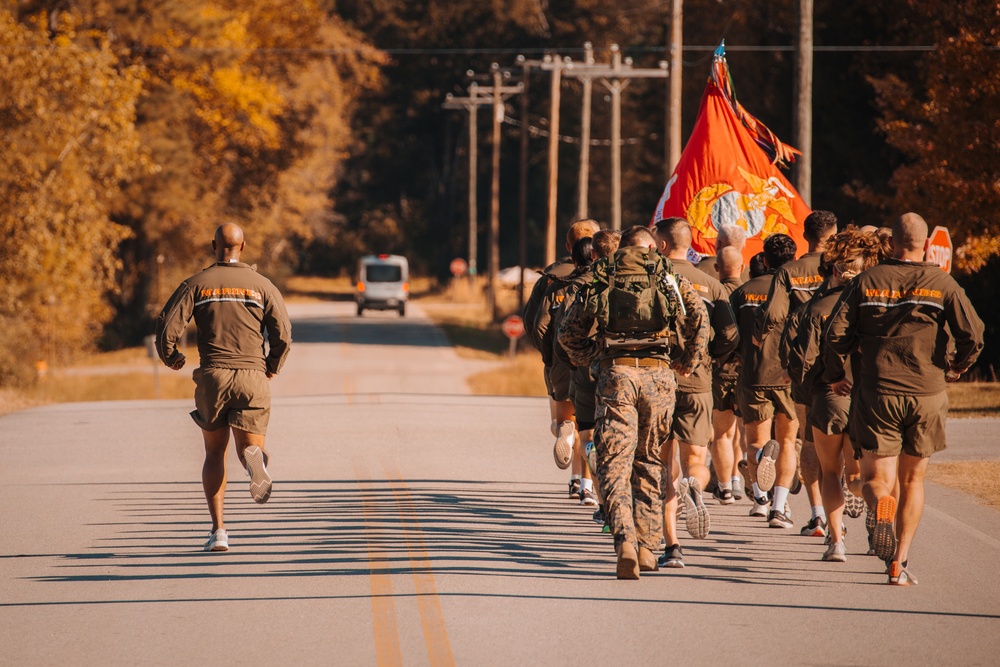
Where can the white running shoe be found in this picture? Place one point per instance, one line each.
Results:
(836, 553)
(760, 508)
(260, 481)
(217, 541)
(562, 451)
(699, 523)
(766, 471)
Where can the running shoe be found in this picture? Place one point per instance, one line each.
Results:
(738, 488)
(744, 469)
(765, 467)
(815, 528)
(828, 540)
(588, 497)
(218, 541)
(854, 505)
(760, 506)
(672, 557)
(776, 519)
(699, 523)
(591, 456)
(713, 481)
(260, 481)
(724, 496)
(682, 490)
(884, 534)
(562, 451)
(574, 488)
(836, 553)
(899, 575)
(796, 484)
(599, 516)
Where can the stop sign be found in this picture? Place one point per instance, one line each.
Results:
(939, 250)
(458, 267)
(513, 327)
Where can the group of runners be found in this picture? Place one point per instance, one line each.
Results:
(823, 373)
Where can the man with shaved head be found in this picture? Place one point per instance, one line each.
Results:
(895, 316)
(233, 308)
(730, 236)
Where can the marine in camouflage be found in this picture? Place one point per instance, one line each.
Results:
(635, 406)
(634, 410)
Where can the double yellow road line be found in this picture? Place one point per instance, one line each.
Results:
(387, 646)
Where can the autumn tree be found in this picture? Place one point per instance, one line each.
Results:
(942, 117)
(67, 143)
(244, 114)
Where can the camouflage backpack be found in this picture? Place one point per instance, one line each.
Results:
(634, 298)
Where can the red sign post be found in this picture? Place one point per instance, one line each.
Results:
(513, 328)
(940, 249)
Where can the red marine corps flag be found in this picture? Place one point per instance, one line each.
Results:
(728, 174)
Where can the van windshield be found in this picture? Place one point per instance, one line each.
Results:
(383, 273)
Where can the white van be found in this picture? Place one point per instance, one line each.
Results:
(383, 283)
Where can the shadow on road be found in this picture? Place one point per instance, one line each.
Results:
(401, 527)
(371, 329)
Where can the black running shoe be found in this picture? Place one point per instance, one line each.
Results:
(672, 557)
(776, 519)
(574, 489)
(815, 528)
(724, 496)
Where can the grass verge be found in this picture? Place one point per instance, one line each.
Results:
(974, 399)
(979, 479)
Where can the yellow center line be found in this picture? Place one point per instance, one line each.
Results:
(387, 649)
(431, 616)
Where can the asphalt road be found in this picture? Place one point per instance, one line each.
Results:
(412, 524)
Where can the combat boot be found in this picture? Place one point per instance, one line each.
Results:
(628, 562)
(647, 561)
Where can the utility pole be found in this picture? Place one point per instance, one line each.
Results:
(615, 78)
(555, 64)
(494, 232)
(675, 48)
(495, 95)
(583, 184)
(471, 104)
(522, 199)
(803, 118)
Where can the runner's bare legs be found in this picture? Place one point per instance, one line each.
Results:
(213, 472)
(724, 434)
(830, 450)
(912, 470)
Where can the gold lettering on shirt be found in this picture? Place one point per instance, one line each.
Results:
(902, 294)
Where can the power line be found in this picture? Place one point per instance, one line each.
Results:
(529, 51)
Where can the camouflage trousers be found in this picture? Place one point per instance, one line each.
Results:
(634, 410)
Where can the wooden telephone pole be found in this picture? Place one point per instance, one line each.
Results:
(615, 77)
(471, 104)
(803, 102)
(495, 95)
(675, 49)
